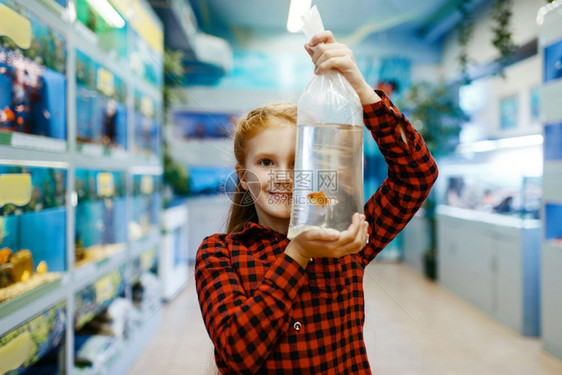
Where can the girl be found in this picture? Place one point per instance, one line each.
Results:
(274, 306)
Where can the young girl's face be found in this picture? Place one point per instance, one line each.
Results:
(269, 171)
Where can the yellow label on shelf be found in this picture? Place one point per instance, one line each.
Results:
(147, 106)
(147, 185)
(15, 352)
(106, 186)
(15, 26)
(147, 259)
(15, 188)
(106, 82)
(104, 289)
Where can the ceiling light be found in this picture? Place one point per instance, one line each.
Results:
(108, 13)
(296, 11)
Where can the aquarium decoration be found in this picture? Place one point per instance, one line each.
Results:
(100, 228)
(32, 228)
(101, 111)
(23, 346)
(147, 127)
(32, 75)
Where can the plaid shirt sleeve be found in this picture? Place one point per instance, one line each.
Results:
(411, 174)
(244, 329)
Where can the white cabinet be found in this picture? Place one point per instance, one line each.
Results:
(493, 262)
(416, 241)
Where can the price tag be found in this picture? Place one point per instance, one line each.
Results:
(106, 185)
(106, 82)
(147, 185)
(147, 106)
(15, 188)
(104, 289)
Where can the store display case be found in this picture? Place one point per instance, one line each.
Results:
(146, 206)
(550, 49)
(97, 296)
(68, 190)
(100, 215)
(32, 229)
(101, 112)
(22, 348)
(488, 232)
(147, 55)
(107, 27)
(32, 81)
(506, 183)
(147, 137)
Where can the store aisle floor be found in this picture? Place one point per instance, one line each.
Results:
(413, 327)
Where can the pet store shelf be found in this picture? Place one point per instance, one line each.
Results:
(147, 242)
(92, 299)
(20, 156)
(20, 309)
(23, 346)
(87, 274)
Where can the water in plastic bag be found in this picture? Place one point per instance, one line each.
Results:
(328, 175)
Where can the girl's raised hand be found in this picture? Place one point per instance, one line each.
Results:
(329, 243)
(328, 54)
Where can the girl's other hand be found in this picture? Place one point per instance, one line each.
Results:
(329, 243)
(328, 54)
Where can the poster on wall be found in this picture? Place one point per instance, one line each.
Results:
(202, 125)
(32, 76)
(509, 112)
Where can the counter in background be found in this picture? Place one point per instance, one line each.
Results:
(492, 261)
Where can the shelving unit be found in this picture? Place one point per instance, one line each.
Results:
(133, 108)
(550, 49)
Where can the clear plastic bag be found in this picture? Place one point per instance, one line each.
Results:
(328, 174)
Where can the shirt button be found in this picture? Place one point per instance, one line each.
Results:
(297, 326)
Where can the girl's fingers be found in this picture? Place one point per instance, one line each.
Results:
(327, 54)
(340, 63)
(322, 234)
(348, 236)
(323, 37)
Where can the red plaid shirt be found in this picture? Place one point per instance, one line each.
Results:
(266, 314)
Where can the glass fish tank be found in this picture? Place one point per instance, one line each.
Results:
(32, 229)
(147, 137)
(146, 59)
(33, 347)
(32, 76)
(107, 25)
(100, 229)
(146, 205)
(145, 282)
(101, 110)
(96, 297)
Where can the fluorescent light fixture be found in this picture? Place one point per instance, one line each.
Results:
(296, 11)
(108, 13)
(492, 145)
(71, 11)
(525, 141)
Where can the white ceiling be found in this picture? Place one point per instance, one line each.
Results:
(344, 18)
